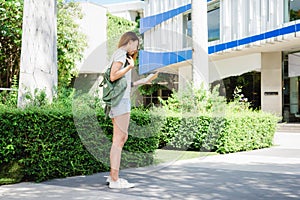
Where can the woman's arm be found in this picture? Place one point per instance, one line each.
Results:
(116, 72)
(146, 80)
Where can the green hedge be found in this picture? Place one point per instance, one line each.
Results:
(46, 143)
(231, 133)
(38, 144)
(247, 131)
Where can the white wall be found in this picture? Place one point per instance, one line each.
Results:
(128, 10)
(167, 36)
(153, 7)
(129, 15)
(241, 18)
(93, 25)
(271, 81)
(185, 75)
(234, 66)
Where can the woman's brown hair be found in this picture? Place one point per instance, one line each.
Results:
(125, 38)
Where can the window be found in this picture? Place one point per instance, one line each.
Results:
(292, 10)
(213, 21)
(153, 98)
(187, 30)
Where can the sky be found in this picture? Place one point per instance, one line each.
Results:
(104, 2)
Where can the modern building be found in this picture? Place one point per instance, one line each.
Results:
(94, 26)
(256, 37)
(128, 10)
(96, 36)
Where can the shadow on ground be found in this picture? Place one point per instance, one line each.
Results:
(194, 182)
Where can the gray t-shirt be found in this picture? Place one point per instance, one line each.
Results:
(120, 56)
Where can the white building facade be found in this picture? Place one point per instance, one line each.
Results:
(260, 36)
(127, 10)
(94, 26)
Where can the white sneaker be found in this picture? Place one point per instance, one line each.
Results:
(120, 184)
(108, 180)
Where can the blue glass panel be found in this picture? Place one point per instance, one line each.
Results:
(231, 44)
(189, 54)
(244, 41)
(287, 30)
(159, 18)
(256, 38)
(220, 47)
(211, 49)
(181, 56)
(149, 22)
(271, 34)
(297, 27)
(173, 57)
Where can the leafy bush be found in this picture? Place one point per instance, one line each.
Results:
(195, 100)
(11, 14)
(54, 142)
(10, 98)
(116, 26)
(10, 173)
(231, 133)
(247, 131)
(45, 143)
(71, 42)
(201, 120)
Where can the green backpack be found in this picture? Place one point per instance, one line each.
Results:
(114, 91)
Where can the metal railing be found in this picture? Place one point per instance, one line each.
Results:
(8, 89)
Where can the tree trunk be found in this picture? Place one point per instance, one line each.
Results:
(38, 66)
(200, 43)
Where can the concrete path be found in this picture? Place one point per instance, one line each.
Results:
(272, 173)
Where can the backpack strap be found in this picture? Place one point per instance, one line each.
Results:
(107, 110)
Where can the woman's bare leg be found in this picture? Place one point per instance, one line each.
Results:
(120, 136)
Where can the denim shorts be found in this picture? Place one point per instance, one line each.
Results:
(123, 107)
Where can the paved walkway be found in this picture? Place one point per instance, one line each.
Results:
(272, 173)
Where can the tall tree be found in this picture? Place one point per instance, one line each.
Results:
(71, 41)
(10, 40)
(200, 43)
(38, 67)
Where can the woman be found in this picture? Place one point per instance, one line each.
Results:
(120, 114)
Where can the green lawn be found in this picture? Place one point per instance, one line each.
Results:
(163, 156)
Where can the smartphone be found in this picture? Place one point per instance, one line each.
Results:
(126, 62)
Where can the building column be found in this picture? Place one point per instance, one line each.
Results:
(200, 43)
(271, 83)
(184, 77)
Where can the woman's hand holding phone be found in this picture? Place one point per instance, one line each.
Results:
(130, 62)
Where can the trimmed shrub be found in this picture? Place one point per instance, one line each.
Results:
(46, 144)
(247, 131)
(231, 133)
(201, 120)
